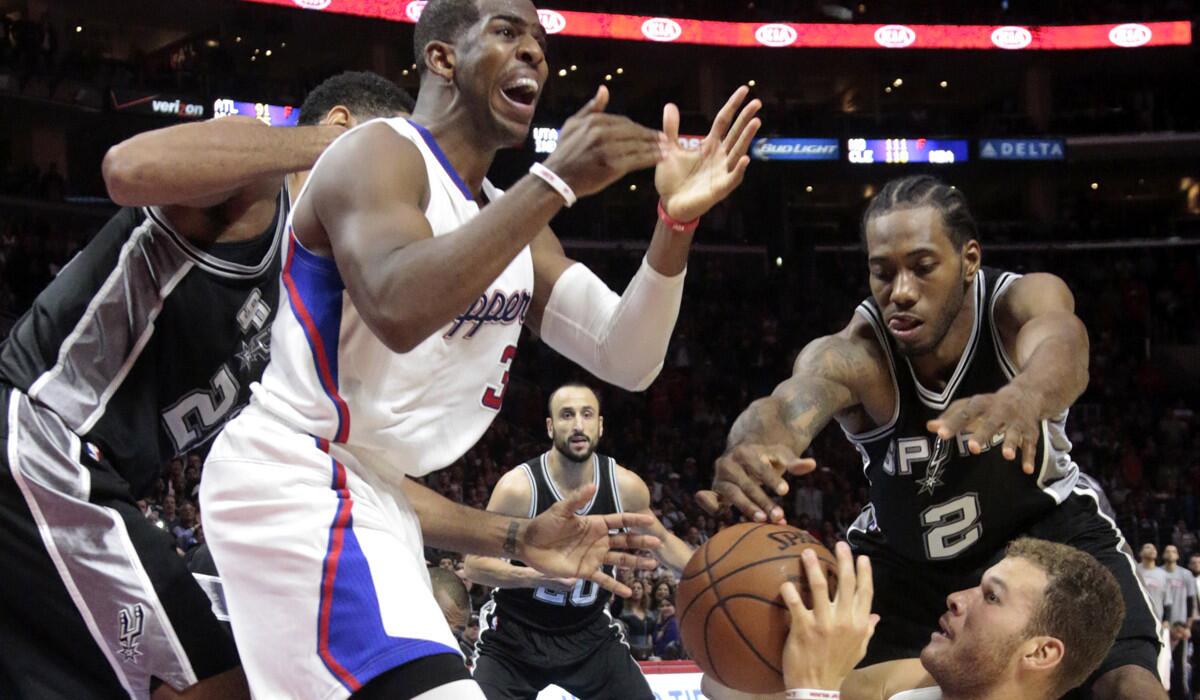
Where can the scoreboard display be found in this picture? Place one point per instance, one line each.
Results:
(271, 115)
(907, 150)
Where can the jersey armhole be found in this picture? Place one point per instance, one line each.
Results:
(876, 322)
(533, 499)
(1002, 285)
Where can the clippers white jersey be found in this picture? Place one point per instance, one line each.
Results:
(411, 413)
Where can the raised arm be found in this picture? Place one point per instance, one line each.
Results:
(623, 339)
(367, 206)
(635, 498)
(1048, 346)
(205, 163)
(828, 379)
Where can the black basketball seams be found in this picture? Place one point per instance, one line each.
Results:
(708, 564)
(713, 582)
(733, 623)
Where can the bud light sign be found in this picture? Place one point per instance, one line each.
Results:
(794, 149)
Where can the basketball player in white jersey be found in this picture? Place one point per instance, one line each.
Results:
(1040, 621)
(405, 284)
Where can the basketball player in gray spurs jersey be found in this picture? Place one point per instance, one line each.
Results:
(948, 373)
(140, 350)
(537, 630)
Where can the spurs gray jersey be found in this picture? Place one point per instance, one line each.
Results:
(932, 499)
(146, 343)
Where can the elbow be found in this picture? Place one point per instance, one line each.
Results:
(632, 378)
(120, 171)
(399, 333)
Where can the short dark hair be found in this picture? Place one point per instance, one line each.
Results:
(367, 95)
(570, 385)
(441, 20)
(1082, 606)
(915, 191)
(448, 584)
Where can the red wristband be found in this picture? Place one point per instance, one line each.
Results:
(675, 224)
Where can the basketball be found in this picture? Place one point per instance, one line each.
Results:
(731, 617)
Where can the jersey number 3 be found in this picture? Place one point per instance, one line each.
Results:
(954, 526)
(493, 397)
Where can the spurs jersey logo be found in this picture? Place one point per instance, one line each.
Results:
(933, 472)
(130, 622)
(254, 312)
(255, 349)
(904, 453)
(499, 308)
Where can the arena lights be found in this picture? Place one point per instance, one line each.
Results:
(796, 35)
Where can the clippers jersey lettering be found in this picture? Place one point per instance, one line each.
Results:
(931, 499)
(397, 413)
(146, 344)
(550, 610)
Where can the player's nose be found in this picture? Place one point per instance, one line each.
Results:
(530, 51)
(904, 290)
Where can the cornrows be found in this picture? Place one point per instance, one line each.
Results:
(925, 190)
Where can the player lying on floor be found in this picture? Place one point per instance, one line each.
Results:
(1036, 626)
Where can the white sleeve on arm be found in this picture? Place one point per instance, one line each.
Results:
(620, 339)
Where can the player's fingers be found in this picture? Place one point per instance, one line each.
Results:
(818, 587)
(626, 541)
(720, 125)
(744, 118)
(1013, 438)
(709, 502)
(735, 496)
(630, 561)
(598, 103)
(865, 591)
(632, 161)
(636, 521)
(609, 583)
(742, 145)
(952, 420)
(795, 604)
(803, 465)
(846, 580)
(1029, 453)
(671, 121)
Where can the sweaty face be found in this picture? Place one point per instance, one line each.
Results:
(501, 66)
(917, 277)
(575, 423)
(977, 643)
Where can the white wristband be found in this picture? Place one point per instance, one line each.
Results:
(551, 178)
(812, 694)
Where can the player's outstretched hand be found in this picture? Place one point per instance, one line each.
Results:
(828, 640)
(740, 474)
(1007, 416)
(596, 149)
(561, 543)
(690, 182)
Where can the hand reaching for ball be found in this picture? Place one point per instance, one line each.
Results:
(828, 640)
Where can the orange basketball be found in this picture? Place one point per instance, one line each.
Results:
(732, 619)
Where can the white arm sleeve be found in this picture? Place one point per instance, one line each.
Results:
(620, 339)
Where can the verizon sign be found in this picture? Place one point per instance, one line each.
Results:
(895, 36)
(661, 29)
(1012, 38)
(775, 35)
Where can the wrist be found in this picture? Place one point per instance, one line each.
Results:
(674, 224)
(811, 694)
(513, 543)
(815, 683)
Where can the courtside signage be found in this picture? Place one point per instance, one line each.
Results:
(773, 148)
(892, 37)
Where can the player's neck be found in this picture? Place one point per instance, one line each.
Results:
(1148, 566)
(1011, 690)
(466, 145)
(1169, 567)
(935, 368)
(569, 475)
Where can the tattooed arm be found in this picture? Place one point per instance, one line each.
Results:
(830, 379)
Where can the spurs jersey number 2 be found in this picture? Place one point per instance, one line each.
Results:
(931, 498)
(333, 378)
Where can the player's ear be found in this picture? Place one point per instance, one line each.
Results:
(550, 428)
(600, 434)
(440, 59)
(340, 116)
(1043, 654)
(972, 256)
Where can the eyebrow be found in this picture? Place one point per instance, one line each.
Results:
(922, 250)
(538, 31)
(996, 582)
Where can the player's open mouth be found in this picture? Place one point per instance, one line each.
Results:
(943, 630)
(905, 327)
(579, 441)
(521, 93)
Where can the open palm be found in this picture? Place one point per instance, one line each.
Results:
(560, 542)
(690, 182)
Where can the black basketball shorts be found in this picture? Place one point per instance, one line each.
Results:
(910, 597)
(94, 600)
(515, 662)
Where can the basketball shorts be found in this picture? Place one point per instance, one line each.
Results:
(910, 597)
(321, 562)
(515, 662)
(94, 600)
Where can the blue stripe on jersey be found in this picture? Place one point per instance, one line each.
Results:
(441, 156)
(315, 288)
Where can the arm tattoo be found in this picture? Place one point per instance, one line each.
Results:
(510, 540)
